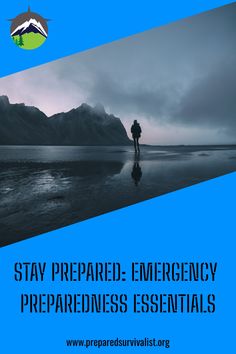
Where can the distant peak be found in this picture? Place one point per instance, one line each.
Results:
(99, 108)
(4, 100)
(85, 106)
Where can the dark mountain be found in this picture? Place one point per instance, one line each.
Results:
(23, 125)
(89, 126)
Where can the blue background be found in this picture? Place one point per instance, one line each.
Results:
(194, 224)
(80, 25)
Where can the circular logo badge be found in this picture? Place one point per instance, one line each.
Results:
(29, 30)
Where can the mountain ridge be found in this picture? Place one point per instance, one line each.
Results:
(81, 126)
(29, 26)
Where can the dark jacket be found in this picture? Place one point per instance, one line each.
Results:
(136, 130)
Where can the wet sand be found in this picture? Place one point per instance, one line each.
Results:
(45, 188)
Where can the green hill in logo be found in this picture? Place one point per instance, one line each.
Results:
(29, 30)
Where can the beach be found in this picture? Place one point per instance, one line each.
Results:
(43, 188)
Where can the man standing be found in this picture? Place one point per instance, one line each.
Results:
(136, 133)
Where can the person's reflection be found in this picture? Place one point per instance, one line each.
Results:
(137, 171)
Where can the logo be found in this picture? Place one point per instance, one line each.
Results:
(29, 30)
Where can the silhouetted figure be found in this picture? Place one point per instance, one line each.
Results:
(136, 173)
(136, 133)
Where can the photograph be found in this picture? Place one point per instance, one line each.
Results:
(118, 124)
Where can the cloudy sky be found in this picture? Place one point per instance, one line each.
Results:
(179, 81)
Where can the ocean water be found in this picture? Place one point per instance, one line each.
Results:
(45, 188)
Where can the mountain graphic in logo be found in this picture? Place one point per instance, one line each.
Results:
(29, 30)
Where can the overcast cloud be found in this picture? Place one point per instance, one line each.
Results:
(179, 81)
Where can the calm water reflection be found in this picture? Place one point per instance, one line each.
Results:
(44, 188)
